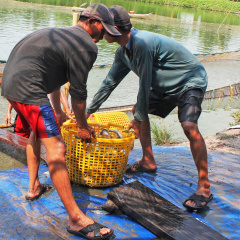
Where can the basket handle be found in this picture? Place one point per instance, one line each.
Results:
(73, 132)
(115, 125)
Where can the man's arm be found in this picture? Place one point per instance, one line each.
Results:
(78, 74)
(66, 107)
(55, 99)
(115, 75)
(85, 131)
(143, 61)
(8, 115)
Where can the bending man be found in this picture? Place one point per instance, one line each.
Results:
(40, 64)
(169, 76)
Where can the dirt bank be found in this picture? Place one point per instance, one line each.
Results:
(227, 141)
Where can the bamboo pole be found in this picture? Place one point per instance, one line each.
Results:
(75, 18)
(6, 126)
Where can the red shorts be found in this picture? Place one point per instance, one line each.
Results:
(19, 129)
(40, 118)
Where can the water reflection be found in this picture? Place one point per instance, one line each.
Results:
(19, 19)
(158, 9)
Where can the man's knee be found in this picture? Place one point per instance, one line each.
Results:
(190, 129)
(61, 149)
(56, 152)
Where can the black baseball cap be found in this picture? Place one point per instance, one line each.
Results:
(121, 16)
(101, 12)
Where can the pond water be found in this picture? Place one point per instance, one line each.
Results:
(8, 162)
(198, 30)
(189, 14)
(201, 32)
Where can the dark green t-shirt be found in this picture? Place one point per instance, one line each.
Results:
(45, 60)
(160, 62)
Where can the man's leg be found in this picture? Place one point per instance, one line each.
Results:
(33, 147)
(199, 153)
(158, 107)
(55, 150)
(189, 111)
(147, 160)
(144, 135)
(33, 160)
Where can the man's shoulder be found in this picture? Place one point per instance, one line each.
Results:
(120, 50)
(78, 39)
(143, 36)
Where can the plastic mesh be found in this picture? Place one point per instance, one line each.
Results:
(102, 162)
(120, 118)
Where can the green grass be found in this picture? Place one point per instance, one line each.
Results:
(160, 134)
(224, 137)
(236, 117)
(215, 5)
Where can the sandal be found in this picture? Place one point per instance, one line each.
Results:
(92, 227)
(137, 168)
(46, 189)
(198, 199)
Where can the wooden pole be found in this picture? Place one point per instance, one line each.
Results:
(6, 126)
(75, 18)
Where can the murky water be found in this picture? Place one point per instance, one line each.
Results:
(18, 19)
(7, 162)
(186, 14)
(189, 27)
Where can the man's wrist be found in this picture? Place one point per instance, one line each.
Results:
(82, 125)
(137, 120)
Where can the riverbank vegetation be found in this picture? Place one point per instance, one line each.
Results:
(236, 117)
(213, 5)
(160, 134)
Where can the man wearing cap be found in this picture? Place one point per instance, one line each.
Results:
(169, 76)
(38, 65)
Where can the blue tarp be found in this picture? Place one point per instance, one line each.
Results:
(175, 180)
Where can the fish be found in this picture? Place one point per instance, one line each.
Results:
(119, 135)
(104, 132)
(128, 131)
(76, 136)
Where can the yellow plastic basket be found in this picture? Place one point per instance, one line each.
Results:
(102, 162)
(120, 118)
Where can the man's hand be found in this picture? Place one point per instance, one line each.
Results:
(8, 119)
(70, 114)
(85, 134)
(135, 125)
(8, 115)
(61, 117)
